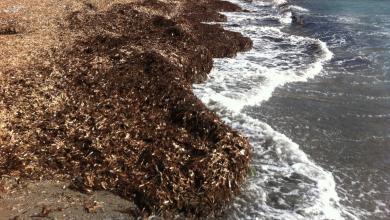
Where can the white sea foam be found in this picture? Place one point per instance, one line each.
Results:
(285, 16)
(260, 77)
(279, 2)
(314, 194)
(298, 8)
(284, 183)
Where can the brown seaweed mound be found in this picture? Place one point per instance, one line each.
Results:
(114, 109)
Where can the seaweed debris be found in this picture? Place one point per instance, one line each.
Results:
(114, 109)
(7, 25)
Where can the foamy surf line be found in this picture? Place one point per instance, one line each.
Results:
(284, 183)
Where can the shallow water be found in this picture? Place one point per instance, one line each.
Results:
(314, 101)
(342, 118)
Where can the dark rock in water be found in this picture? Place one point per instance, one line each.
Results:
(297, 18)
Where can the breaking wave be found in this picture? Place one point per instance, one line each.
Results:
(284, 183)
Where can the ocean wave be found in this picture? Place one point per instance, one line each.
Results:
(284, 182)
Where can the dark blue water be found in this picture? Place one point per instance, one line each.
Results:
(342, 117)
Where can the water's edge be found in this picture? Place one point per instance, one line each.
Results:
(284, 183)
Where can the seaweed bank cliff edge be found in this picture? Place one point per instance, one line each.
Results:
(98, 94)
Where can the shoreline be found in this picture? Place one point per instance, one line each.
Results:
(120, 75)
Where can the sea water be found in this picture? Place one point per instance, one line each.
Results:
(314, 100)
